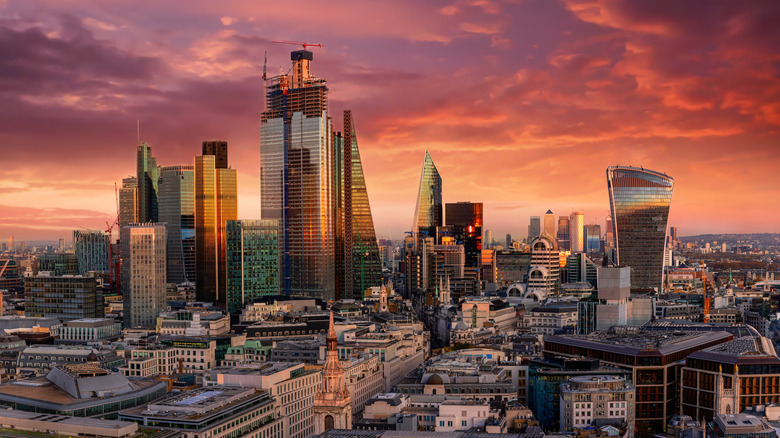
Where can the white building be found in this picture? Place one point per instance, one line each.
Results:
(550, 317)
(543, 273)
(588, 398)
(462, 414)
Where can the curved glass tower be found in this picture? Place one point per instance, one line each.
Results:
(639, 200)
(428, 211)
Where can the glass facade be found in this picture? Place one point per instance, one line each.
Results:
(577, 232)
(428, 211)
(563, 233)
(177, 211)
(147, 176)
(91, 248)
(592, 239)
(252, 261)
(297, 173)
(464, 224)
(64, 298)
(215, 203)
(640, 200)
(128, 202)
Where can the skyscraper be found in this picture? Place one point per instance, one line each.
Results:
(252, 261)
(592, 240)
(355, 225)
(577, 232)
(508, 241)
(639, 201)
(176, 195)
(128, 202)
(534, 228)
(215, 204)
(147, 176)
(563, 233)
(549, 223)
(298, 178)
(143, 274)
(464, 225)
(217, 148)
(91, 248)
(428, 210)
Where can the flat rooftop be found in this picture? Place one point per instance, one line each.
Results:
(632, 342)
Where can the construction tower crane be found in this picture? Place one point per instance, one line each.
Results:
(303, 44)
(113, 268)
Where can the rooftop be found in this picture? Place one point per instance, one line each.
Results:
(633, 340)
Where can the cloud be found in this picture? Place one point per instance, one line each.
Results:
(228, 21)
(102, 25)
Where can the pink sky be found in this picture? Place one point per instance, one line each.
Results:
(522, 104)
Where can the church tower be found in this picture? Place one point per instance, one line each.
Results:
(332, 404)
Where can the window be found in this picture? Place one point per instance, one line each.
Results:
(464, 423)
(441, 423)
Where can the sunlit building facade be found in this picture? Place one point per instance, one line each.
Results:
(252, 261)
(464, 227)
(428, 210)
(215, 204)
(176, 195)
(563, 233)
(128, 201)
(639, 201)
(297, 173)
(357, 261)
(577, 232)
(549, 223)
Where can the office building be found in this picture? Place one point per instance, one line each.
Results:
(730, 378)
(534, 228)
(616, 305)
(651, 357)
(579, 268)
(609, 237)
(428, 210)
(549, 223)
(740, 426)
(176, 206)
(357, 263)
(252, 253)
(639, 201)
(143, 274)
(89, 330)
(215, 412)
(219, 149)
(147, 175)
(464, 227)
(297, 178)
(488, 239)
(577, 232)
(563, 233)
(592, 240)
(65, 298)
(215, 203)
(508, 241)
(544, 270)
(511, 267)
(58, 264)
(91, 248)
(128, 202)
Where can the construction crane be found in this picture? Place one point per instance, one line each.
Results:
(704, 293)
(303, 44)
(113, 268)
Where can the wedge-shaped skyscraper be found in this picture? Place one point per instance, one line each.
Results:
(639, 200)
(428, 211)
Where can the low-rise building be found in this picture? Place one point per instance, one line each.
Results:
(63, 425)
(552, 317)
(41, 358)
(740, 426)
(214, 412)
(586, 400)
(89, 330)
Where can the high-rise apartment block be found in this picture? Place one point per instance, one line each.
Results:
(143, 273)
(91, 248)
(128, 202)
(252, 261)
(66, 298)
(147, 174)
(215, 204)
(298, 178)
(639, 201)
(577, 232)
(176, 206)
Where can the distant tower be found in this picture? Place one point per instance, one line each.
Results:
(444, 294)
(91, 248)
(549, 223)
(383, 299)
(332, 404)
(577, 232)
(543, 273)
(639, 201)
(508, 241)
(128, 202)
(147, 176)
(563, 233)
(176, 209)
(428, 210)
(534, 228)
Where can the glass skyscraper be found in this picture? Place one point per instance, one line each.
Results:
(176, 195)
(577, 232)
(464, 226)
(428, 210)
(639, 201)
(297, 173)
(355, 225)
(143, 274)
(91, 248)
(215, 204)
(147, 176)
(252, 251)
(128, 202)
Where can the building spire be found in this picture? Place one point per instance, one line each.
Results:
(331, 328)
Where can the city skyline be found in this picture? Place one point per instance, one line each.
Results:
(548, 102)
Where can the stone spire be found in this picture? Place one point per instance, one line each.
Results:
(332, 403)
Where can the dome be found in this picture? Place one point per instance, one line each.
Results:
(461, 326)
(435, 379)
(545, 242)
